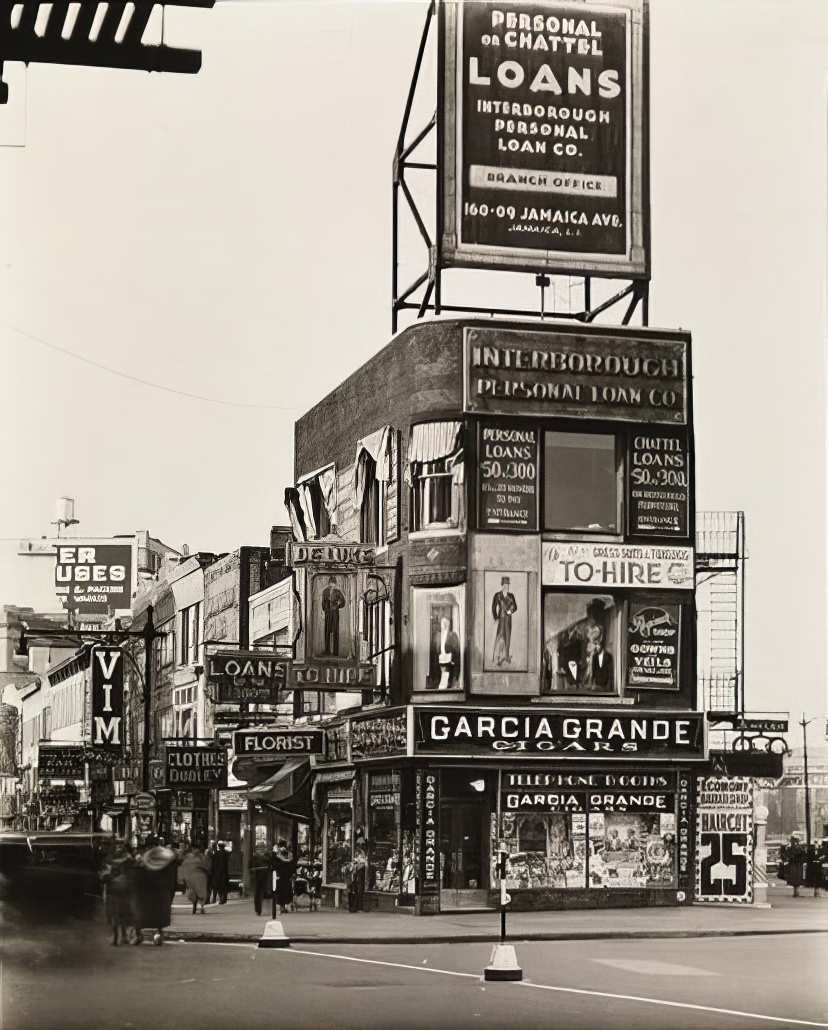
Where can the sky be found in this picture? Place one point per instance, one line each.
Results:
(190, 262)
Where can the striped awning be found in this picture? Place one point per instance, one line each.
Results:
(433, 441)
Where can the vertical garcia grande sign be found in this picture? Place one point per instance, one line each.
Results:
(543, 137)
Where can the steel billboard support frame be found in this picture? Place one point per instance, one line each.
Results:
(430, 281)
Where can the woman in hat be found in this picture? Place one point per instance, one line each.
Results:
(282, 865)
(155, 875)
(194, 873)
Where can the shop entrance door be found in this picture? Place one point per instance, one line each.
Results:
(464, 854)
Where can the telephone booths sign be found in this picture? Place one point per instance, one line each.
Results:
(544, 151)
(545, 733)
(508, 469)
(191, 767)
(724, 840)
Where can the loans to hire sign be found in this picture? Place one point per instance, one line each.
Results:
(608, 566)
(107, 698)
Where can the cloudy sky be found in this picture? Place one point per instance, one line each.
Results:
(187, 263)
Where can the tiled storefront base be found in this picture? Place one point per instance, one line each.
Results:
(540, 899)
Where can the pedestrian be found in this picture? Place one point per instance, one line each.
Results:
(118, 878)
(281, 865)
(315, 886)
(209, 855)
(220, 873)
(194, 873)
(155, 871)
(359, 872)
(259, 866)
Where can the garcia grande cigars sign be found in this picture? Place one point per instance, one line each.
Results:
(667, 735)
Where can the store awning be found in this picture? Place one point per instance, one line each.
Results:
(287, 791)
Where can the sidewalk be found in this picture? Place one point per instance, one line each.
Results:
(236, 921)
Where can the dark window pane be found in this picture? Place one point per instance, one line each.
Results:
(580, 487)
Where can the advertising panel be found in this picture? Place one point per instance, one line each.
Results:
(628, 566)
(94, 577)
(243, 668)
(544, 144)
(379, 736)
(277, 742)
(658, 485)
(194, 766)
(546, 732)
(107, 698)
(622, 376)
(428, 825)
(653, 636)
(508, 464)
(60, 761)
(724, 840)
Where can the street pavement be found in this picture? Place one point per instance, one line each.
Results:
(237, 921)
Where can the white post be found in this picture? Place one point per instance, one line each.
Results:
(760, 858)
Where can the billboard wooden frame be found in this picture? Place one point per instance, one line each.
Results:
(453, 250)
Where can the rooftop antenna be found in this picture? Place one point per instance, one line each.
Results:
(65, 513)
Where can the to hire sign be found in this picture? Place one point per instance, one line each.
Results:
(107, 698)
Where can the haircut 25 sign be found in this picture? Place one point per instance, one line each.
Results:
(545, 166)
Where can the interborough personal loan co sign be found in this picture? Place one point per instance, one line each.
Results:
(544, 733)
(627, 375)
(546, 166)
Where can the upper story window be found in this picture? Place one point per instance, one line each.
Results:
(436, 472)
(189, 634)
(317, 498)
(582, 482)
(372, 474)
(184, 713)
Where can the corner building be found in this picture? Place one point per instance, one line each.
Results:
(523, 494)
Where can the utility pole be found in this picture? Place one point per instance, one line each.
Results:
(148, 633)
(803, 722)
(112, 638)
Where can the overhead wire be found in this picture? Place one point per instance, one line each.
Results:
(148, 382)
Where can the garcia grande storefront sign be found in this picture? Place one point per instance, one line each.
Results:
(544, 732)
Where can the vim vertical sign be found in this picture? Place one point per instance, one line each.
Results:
(107, 698)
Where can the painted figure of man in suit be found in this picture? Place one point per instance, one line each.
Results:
(444, 667)
(333, 600)
(504, 606)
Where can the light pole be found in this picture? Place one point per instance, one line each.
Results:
(803, 722)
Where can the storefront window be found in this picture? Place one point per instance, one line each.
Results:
(337, 843)
(581, 484)
(580, 644)
(545, 850)
(632, 849)
(384, 832)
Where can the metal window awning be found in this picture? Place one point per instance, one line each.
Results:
(287, 791)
